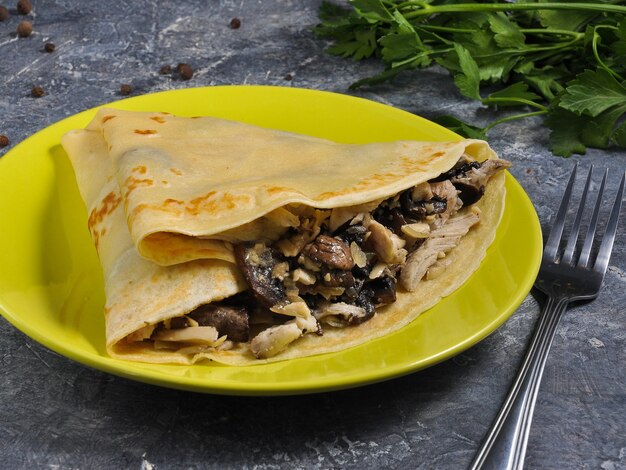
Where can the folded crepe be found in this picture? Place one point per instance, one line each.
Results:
(224, 241)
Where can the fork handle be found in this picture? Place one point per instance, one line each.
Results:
(504, 447)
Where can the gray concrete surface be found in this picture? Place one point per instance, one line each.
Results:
(57, 414)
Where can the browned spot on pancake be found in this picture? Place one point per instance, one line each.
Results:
(170, 202)
(272, 190)
(110, 147)
(158, 119)
(98, 214)
(411, 165)
(212, 204)
(145, 131)
(165, 113)
(108, 117)
(370, 182)
(176, 171)
(133, 183)
(140, 169)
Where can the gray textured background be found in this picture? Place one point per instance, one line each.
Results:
(55, 413)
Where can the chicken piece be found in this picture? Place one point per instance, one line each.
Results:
(270, 342)
(441, 240)
(388, 246)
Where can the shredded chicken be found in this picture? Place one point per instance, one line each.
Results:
(441, 240)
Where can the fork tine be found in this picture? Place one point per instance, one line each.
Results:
(552, 245)
(604, 254)
(573, 236)
(583, 260)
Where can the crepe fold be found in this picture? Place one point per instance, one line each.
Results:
(168, 197)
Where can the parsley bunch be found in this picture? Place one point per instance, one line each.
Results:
(563, 60)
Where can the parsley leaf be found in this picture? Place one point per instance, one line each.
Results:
(593, 92)
(468, 80)
(507, 34)
(565, 136)
(462, 128)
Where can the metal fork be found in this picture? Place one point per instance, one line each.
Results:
(563, 280)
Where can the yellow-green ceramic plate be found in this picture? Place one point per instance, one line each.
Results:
(51, 286)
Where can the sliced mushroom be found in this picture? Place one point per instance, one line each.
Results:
(351, 233)
(384, 289)
(228, 320)
(420, 209)
(257, 263)
(338, 278)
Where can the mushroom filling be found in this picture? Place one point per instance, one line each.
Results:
(336, 267)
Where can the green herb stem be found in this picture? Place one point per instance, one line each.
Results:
(426, 10)
(514, 117)
(521, 101)
(530, 49)
(594, 46)
(556, 32)
(445, 29)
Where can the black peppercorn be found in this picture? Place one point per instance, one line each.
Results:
(4, 13)
(24, 7)
(24, 29)
(4, 140)
(126, 89)
(185, 71)
(37, 92)
(289, 77)
(49, 47)
(165, 70)
(235, 23)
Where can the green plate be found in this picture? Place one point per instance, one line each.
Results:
(51, 285)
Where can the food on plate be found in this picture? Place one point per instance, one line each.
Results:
(231, 242)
